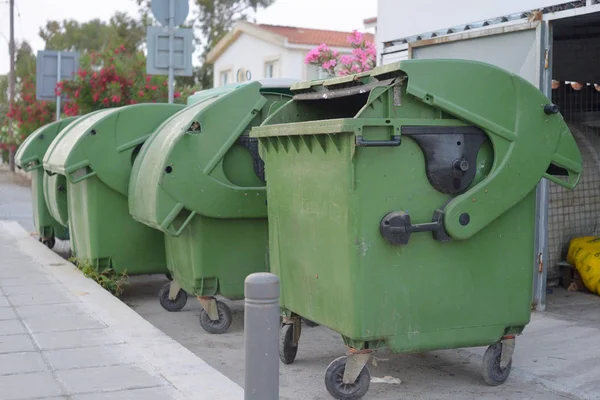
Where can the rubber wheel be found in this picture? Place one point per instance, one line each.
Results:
(310, 323)
(492, 373)
(49, 243)
(219, 326)
(172, 305)
(287, 349)
(334, 381)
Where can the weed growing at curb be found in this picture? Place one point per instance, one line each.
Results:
(108, 278)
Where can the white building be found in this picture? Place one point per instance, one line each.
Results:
(271, 51)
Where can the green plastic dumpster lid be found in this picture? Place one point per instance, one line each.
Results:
(181, 169)
(529, 140)
(106, 146)
(56, 155)
(31, 152)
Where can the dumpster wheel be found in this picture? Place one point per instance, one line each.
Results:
(216, 326)
(334, 381)
(172, 305)
(287, 348)
(48, 242)
(493, 373)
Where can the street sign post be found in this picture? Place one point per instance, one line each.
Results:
(170, 13)
(51, 68)
(158, 51)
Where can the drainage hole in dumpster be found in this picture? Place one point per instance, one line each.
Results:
(558, 172)
(458, 143)
(195, 127)
(169, 169)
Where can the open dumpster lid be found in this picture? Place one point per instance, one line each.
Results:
(31, 152)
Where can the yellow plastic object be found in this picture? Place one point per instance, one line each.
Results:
(584, 254)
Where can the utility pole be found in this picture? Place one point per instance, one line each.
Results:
(11, 83)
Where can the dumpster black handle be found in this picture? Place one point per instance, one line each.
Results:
(378, 143)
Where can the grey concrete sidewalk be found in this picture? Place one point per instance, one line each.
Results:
(63, 337)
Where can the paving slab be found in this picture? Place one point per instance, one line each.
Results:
(52, 323)
(112, 378)
(18, 363)
(7, 313)
(16, 343)
(64, 337)
(50, 309)
(156, 393)
(76, 339)
(11, 327)
(29, 386)
(87, 357)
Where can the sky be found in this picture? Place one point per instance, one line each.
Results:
(30, 15)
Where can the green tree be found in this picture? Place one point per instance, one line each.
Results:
(94, 35)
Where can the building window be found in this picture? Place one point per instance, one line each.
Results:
(225, 78)
(271, 69)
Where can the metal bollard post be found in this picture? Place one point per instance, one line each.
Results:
(261, 337)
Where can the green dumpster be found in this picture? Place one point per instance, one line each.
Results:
(95, 157)
(200, 181)
(402, 209)
(29, 158)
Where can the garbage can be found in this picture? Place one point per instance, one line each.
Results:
(29, 158)
(402, 209)
(95, 157)
(200, 181)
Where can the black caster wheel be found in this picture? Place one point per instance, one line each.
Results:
(493, 373)
(310, 323)
(168, 276)
(172, 305)
(49, 243)
(219, 326)
(287, 348)
(334, 381)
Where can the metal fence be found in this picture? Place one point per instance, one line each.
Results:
(576, 213)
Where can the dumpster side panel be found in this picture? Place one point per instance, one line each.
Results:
(344, 275)
(45, 225)
(214, 256)
(428, 294)
(311, 202)
(107, 235)
(55, 187)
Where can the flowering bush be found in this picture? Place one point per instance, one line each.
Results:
(27, 114)
(362, 58)
(112, 79)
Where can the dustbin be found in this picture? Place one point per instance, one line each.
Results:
(95, 157)
(200, 181)
(402, 209)
(29, 158)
